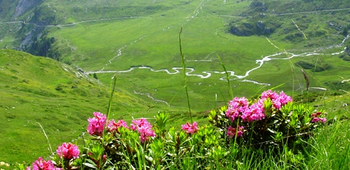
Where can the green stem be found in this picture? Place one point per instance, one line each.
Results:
(227, 77)
(185, 77)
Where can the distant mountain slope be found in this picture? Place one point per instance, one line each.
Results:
(307, 22)
(41, 90)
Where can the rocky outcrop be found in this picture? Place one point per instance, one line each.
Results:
(248, 29)
(25, 5)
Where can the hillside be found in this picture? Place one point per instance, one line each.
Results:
(258, 41)
(37, 90)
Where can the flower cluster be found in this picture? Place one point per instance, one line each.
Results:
(113, 126)
(96, 124)
(190, 128)
(254, 112)
(144, 128)
(231, 132)
(278, 100)
(316, 119)
(68, 151)
(239, 107)
(41, 164)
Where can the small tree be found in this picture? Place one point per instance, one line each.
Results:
(95, 76)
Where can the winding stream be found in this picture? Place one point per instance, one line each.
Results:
(208, 74)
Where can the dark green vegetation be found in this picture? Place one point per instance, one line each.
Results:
(120, 35)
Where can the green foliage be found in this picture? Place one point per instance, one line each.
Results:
(314, 68)
(286, 127)
(282, 134)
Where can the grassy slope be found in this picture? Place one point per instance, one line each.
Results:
(152, 39)
(28, 96)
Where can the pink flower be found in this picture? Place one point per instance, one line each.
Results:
(269, 95)
(41, 164)
(316, 119)
(68, 151)
(144, 128)
(231, 132)
(239, 103)
(112, 126)
(254, 112)
(190, 128)
(145, 133)
(278, 100)
(284, 99)
(96, 124)
(236, 107)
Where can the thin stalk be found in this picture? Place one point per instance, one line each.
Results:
(110, 102)
(112, 93)
(227, 77)
(185, 77)
(46, 137)
(108, 112)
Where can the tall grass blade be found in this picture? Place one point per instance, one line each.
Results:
(48, 141)
(185, 76)
(227, 77)
(306, 79)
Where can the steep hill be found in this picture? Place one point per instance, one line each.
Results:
(36, 90)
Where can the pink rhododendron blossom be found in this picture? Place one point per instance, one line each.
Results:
(269, 95)
(278, 100)
(96, 124)
(144, 128)
(316, 119)
(239, 103)
(113, 126)
(284, 99)
(231, 132)
(41, 164)
(316, 114)
(236, 107)
(190, 128)
(68, 151)
(254, 112)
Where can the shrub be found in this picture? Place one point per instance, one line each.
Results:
(270, 124)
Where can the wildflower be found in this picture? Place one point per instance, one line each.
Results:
(96, 124)
(145, 133)
(231, 132)
(112, 126)
(144, 128)
(190, 128)
(236, 107)
(239, 103)
(41, 164)
(316, 119)
(137, 123)
(316, 114)
(254, 112)
(284, 99)
(278, 100)
(269, 95)
(68, 151)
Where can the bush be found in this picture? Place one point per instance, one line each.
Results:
(267, 126)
